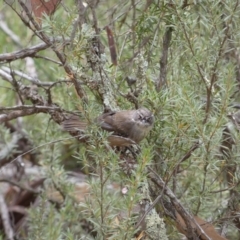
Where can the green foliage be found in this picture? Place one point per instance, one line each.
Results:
(192, 108)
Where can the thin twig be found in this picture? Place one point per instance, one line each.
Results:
(27, 77)
(19, 113)
(26, 52)
(19, 185)
(26, 107)
(162, 81)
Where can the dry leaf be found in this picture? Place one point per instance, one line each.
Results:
(112, 46)
(39, 7)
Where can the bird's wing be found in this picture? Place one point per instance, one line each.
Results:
(106, 121)
(118, 122)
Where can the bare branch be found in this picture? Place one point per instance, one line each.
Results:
(5, 76)
(28, 52)
(41, 103)
(5, 219)
(25, 76)
(164, 59)
(25, 107)
(20, 113)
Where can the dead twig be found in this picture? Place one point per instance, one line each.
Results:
(162, 81)
(5, 219)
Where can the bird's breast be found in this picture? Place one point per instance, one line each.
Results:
(139, 131)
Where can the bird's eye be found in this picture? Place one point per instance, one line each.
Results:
(146, 119)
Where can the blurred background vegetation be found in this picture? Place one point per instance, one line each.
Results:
(179, 59)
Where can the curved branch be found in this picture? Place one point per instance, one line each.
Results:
(26, 52)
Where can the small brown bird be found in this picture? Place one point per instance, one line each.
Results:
(128, 126)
